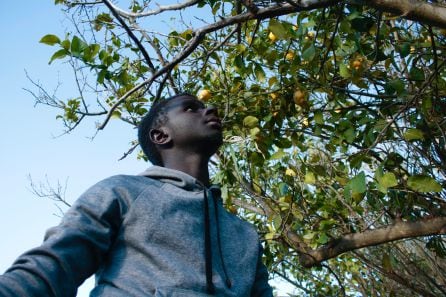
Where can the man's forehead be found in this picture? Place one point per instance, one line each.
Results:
(181, 100)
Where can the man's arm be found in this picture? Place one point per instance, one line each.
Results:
(71, 252)
(261, 288)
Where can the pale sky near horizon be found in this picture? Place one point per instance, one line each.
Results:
(29, 146)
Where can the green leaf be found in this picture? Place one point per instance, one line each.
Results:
(50, 39)
(309, 235)
(357, 184)
(405, 49)
(90, 52)
(413, 134)
(388, 180)
(278, 155)
(270, 236)
(310, 178)
(423, 183)
(254, 131)
(323, 238)
(319, 118)
(349, 135)
(66, 44)
(344, 71)
(283, 189)
(104, 18)
(58, 55)
(260, 74)
(250, 121)
(278, 29)
(416, 74)
(395, 86)
(77, 46)
(309, 53)
(385, 181)
(239, 63)
(362, 24)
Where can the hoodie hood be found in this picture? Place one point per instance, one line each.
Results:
(174, 177)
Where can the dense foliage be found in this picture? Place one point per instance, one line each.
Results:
(335, 140)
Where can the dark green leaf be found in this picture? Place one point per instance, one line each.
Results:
(77, 46)
(416, 74)
(309, 53)
(58, 55)
(362, 24)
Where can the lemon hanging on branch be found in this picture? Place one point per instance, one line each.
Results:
(272, 37)
(204, 95)
(300, 97)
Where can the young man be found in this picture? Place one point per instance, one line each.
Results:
(161, 233)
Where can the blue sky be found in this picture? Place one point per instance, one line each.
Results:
(29, 146)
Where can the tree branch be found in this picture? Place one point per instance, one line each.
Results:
(396, 231)
(264, 13)
(414, 10)
(160, 9)
(130, 33)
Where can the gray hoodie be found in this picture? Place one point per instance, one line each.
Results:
(146, 235)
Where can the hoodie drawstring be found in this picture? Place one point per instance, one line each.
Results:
(207, 246)
(227, 280)
(207, 241)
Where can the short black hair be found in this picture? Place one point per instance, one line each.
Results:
(154, 119)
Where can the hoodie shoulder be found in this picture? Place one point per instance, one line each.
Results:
(121, 187)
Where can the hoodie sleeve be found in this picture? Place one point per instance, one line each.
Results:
(71, 251)
(261, 288)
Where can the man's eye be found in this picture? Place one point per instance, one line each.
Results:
(191, 108)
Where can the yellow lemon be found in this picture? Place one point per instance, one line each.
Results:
(204, 95)
(289, 55)
(299, 97)
(290, 172)
(272, 37)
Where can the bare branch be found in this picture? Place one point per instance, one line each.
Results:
(130, 33)
(161, 8)
(46, 190)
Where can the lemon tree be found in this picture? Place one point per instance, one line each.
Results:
(334, 113)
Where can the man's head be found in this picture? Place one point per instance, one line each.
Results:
(180, 122)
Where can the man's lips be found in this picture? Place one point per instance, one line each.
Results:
(214, 121)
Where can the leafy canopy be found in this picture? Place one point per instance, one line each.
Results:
(334, 116)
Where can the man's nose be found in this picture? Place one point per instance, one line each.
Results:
(211, 110)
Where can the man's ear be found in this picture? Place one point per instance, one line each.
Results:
(159, 136)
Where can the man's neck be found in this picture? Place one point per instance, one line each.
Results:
(194, 165)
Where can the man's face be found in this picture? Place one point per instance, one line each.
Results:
(192, 125)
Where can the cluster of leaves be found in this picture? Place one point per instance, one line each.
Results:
(334, 126)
